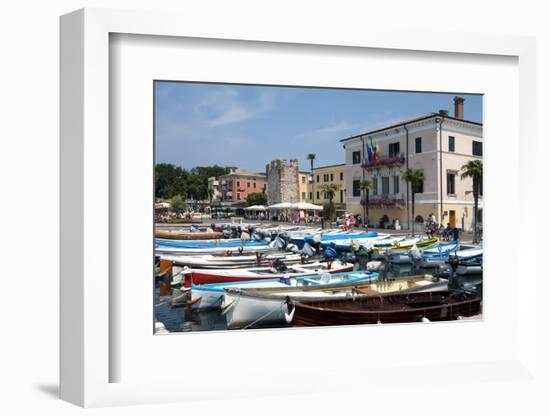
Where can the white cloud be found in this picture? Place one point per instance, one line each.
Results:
(334, 129)
(225, 106)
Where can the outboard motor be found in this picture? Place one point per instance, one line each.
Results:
(279, 243)
(279, 266)
(256, 237)
(308, 250)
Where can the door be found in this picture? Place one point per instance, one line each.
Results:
(452, 218)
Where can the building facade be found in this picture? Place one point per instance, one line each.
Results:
(283, 181)
(329, 175)
(238, 184)
(304, 185)
(435, 143)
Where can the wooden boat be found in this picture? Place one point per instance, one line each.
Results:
(208, 296)
(203, 276)
(187, 235)
(225, 261)
(245, 307)
(412, 307)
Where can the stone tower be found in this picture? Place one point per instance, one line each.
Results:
(282, 181)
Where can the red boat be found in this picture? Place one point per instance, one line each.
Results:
(203, 276)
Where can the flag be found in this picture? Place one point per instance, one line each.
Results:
(369, 153)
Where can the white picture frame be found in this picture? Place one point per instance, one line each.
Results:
(88, 220)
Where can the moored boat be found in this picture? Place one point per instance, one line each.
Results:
(217, 261)
(412, 307)
(203, 276)
(187, 235)
(244, 307)
(208, 296)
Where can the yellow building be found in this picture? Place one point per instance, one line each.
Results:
(329, 175)
(304, 181)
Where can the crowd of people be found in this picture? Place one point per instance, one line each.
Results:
(445, 233)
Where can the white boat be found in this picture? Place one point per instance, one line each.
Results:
(210, 296)
(212, 261)
(245, 308)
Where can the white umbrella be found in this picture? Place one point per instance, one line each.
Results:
(306, 206)
(255, 208)
(282, 205)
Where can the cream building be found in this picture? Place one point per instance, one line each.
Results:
(435, 143)
(304, 184)
(330, 175)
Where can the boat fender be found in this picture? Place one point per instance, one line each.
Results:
(424, 319)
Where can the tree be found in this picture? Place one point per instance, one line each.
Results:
(311, 157)
(330, 190)
(474, 169)
(366, 187)
(178, 205)
(414, 179)
(256, 198)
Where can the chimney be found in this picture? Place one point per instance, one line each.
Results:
(459, 107)
(444, 113)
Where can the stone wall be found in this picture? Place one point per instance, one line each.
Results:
(282, 181)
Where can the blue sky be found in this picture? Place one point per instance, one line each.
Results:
(247, 126)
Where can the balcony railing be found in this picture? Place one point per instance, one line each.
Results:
(384, 201)
(384, 161)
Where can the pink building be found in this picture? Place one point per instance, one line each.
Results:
(238, 184)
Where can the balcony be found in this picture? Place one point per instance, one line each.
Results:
(385, 201)
(384, 161)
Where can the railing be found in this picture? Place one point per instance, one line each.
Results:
(384, 161)
(384, 202)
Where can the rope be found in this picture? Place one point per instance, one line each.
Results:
(260, 318)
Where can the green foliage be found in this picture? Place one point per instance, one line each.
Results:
(329, 210)
(256, 198)
(177, 204)
(171, 180)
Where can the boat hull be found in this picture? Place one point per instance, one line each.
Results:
(438, 306)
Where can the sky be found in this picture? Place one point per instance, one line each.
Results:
(246, 126)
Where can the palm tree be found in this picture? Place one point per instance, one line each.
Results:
(311, 157)
(414, 178)
(366, 187)
(474, 169)
(330, 190)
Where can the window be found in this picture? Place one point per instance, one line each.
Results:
(341, 196)
(451, 143)
(317, 178)
(325, 177)
(451, 183)
(238, 184)
(396, 184)
(385, 186)
(303, 195)
(418, 188)
(248, 184)
(477, 148)
(341, 176)
(303, 179)
(356, 188)
(254, 185)
(418, 145)
(317, 195)
(238, 196)
(356, 157)
(394, 149)
(311, 195)
(331, 177)
(375, 186)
